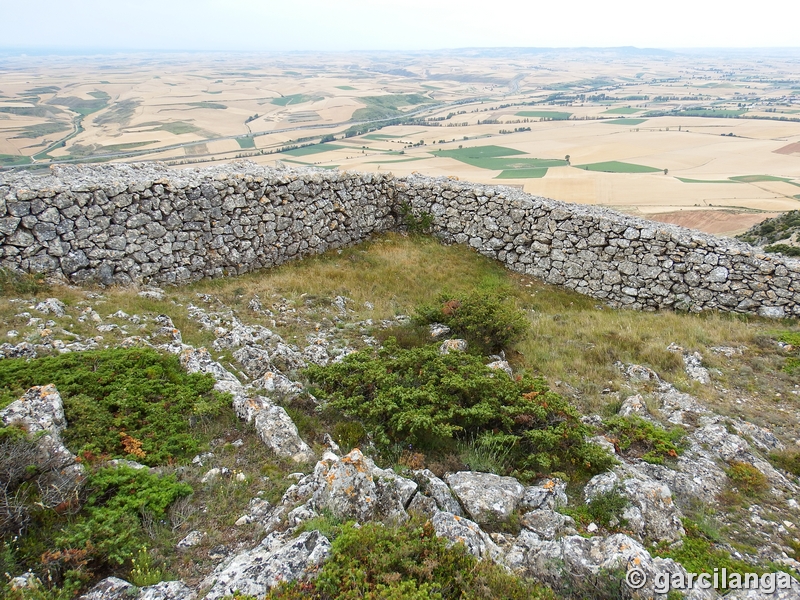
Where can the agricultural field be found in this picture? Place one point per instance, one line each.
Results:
(709, 141)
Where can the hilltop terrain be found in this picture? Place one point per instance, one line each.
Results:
(543, 430)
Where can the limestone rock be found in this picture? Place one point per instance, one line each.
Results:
(575, 563)
(548, 524)
(547, 494)
(651, 515)
(276, 559)
(352, 487)
(486, 497)
(461, 530)
(430, 485)
(454, 345)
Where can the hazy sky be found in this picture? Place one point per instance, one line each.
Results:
(398, 25)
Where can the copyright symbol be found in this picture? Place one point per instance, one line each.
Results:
(636, 578)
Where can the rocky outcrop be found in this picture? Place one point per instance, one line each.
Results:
(651, 514)
(40, 413)
(486, 498)
(113, 588)
(278, 558)
(581, 566)
(128, 223)
(273, 424)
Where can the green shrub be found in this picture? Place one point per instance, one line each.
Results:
(410, 562)
(747, 479)
(488, 321)
(416, 224)
(604, 509)
(109, 526)
(122, 403)
(424, 399)
(640, 438)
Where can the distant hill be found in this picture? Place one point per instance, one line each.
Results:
(777, 235)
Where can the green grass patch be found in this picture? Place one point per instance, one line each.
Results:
(246, 142)
(687, 180)
(479, 152)
(402, 160)
(759, 178)
(122, 403)
(379, 137)
(623, 110)
(119, 112)
(175, 128)
(554, 115)
(82, 106)
(386, 107)
(624, 121)
(15, 283)
(47, 89)
(522, 174)
(291, 100)
(614, 166)
(698, 554)
(348, 88)
(206, 104)
(315, 149)
(12, 160)
(42, 129)
(30, 111)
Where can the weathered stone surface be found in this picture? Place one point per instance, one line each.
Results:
(430, 485)
(276, 559)
(548, 524)
(353, 487)
(651, 515)
(460, 530)
(486, 498)
(40, 412)
(577, 563)
(113, 588)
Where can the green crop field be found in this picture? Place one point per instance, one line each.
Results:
(402, 160)
(498, 158)
(757, 178)
(205, 104)
(292, 99)
(624, 121)
(315, 149)
(379, 137)
(614, 166)
(12, 160)
(687, 180)
(479, 152)
(345, 87)
(246, 142)
(34, 131)
(522, 174)
(386, 107)
(555, 115)
(623, 110)
(175, 128)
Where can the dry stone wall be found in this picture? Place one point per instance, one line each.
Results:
(144, 223)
